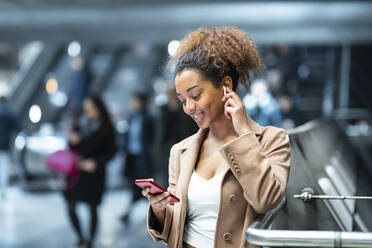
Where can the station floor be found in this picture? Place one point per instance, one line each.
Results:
(39, 220)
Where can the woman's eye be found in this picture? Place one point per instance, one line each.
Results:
(196, 97)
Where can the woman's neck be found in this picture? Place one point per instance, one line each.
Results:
(222, 130)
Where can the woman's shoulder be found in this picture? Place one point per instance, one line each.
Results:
(182, 143)
(273, 136)
(273, 131)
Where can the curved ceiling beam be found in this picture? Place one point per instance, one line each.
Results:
(267, 22)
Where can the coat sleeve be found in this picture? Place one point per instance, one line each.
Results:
(157, 231)
(261, 168)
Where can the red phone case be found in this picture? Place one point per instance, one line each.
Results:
(154, 188)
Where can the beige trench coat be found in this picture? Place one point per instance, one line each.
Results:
(255, 183)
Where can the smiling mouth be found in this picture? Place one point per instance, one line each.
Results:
(196, 117)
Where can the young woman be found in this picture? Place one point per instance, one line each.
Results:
(232, 170)
(94, 139)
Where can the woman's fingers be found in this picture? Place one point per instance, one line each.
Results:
(227, 109)
(146, 191)
(227, 96)
(232, 98)
(162, 203)
(234, 110)
(157, 201)
(231, 107)
(158, 197)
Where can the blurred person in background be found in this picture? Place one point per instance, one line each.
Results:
(232, 170)
(292, 90)
(288, 62)
(261, 106)
(94, 140)
(289, 113)
(138, 147)
(171, 127)
(8, 125)
(80, 83)
(273, 82)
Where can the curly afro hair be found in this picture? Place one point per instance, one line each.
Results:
(218, 52)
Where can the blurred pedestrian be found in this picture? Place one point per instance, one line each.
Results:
(80, 84)
(8, 125)
(261, 105)
(94, 139)
(172, 126)
(290, 115)
(138, 147)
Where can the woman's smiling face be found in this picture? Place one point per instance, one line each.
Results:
(199, 97)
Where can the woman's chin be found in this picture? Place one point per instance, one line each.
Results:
(202, 125)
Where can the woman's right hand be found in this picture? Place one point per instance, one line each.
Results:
(158, 202)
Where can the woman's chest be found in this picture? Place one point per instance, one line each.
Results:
(210, 163)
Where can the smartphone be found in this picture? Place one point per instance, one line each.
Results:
(154, 188)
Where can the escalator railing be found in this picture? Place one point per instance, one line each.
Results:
(258, 234)
(27, 80)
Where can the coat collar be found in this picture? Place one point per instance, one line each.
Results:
(189, 155)
(195, 140)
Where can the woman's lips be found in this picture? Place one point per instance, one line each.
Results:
(197, 117)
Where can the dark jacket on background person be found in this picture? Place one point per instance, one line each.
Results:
(175, 126)
(143, 167)
(98, 144)
(172, 126)
(8, 125)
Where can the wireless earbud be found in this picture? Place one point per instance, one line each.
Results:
(224, 90)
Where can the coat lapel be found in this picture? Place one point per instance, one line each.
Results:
(190, 152)
(188, 159)
(189, 155)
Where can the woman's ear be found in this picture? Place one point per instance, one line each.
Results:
(227, 82)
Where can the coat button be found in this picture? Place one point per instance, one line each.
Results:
(237, 171)
(232, 198)
(234, 163)
(230, 155)
(227, 236)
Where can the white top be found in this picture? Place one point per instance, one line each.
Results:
(203, 200)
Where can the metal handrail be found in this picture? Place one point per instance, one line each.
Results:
(258, 235)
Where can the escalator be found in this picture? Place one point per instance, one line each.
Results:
(106, 67)
(324, 166)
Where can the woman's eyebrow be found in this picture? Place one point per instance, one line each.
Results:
(188, 90)
(192, 88)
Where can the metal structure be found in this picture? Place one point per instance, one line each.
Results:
(324, 169)
(307, 196)
(258, 234)
(270, 22)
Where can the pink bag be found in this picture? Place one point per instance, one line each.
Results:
(65, 162)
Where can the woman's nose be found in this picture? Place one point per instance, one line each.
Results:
(190, 107)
